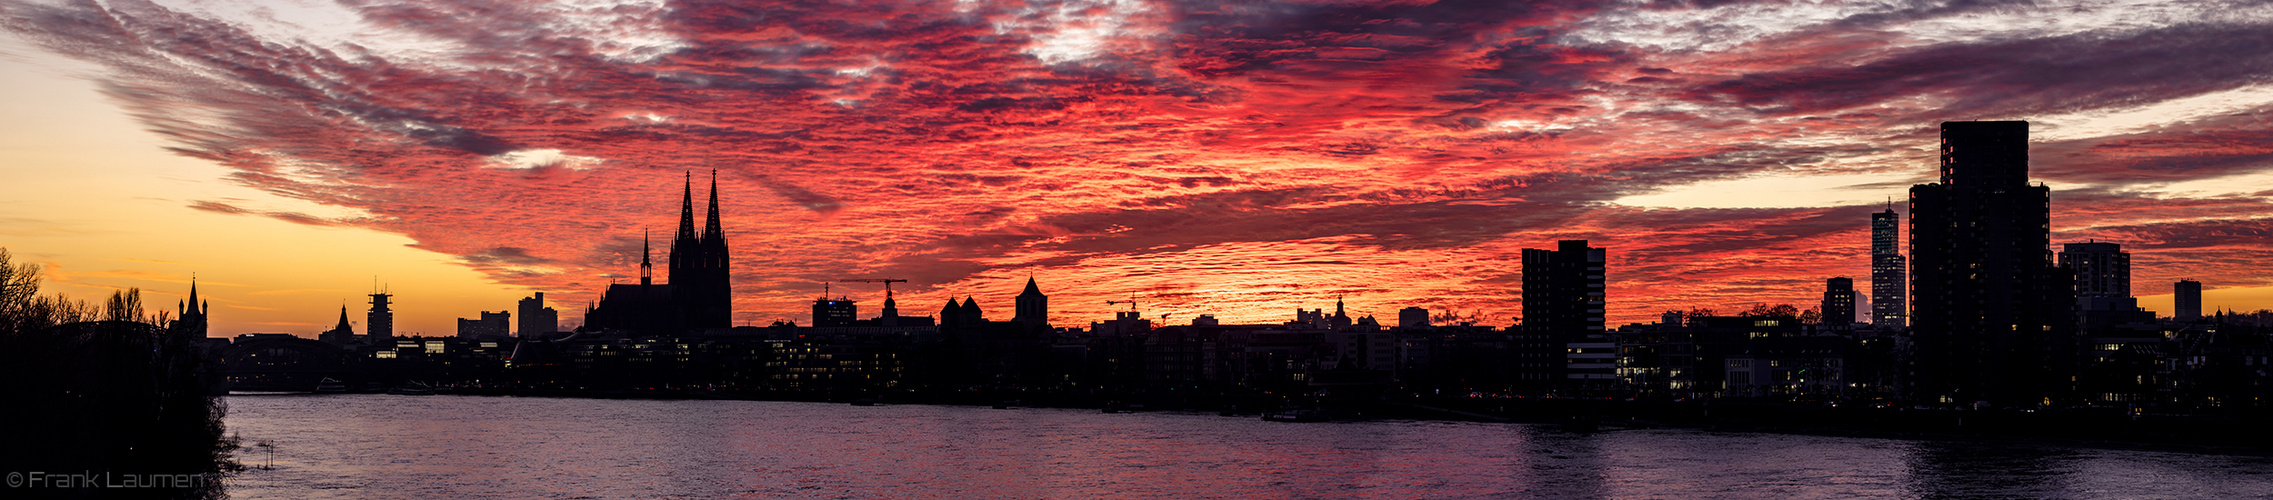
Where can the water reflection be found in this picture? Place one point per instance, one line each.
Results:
(1563, 464)
(1947, 469)
(457, 447)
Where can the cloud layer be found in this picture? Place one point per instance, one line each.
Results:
(1240, 160)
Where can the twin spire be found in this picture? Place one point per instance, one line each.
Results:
(711, 230)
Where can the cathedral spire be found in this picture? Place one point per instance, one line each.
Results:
(343, 325)
(646, 266)
(686, 213)
(712, 232)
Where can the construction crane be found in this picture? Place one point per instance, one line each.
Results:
(886, 281)
(1132, 302)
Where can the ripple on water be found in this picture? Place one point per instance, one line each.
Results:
(364, 446)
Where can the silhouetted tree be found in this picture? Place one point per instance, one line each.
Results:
(121, 396)
(124, 305)
(1763, 309)
(1811, 316)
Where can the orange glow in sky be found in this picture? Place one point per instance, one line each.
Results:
(1241, 160)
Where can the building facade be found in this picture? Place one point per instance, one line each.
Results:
(1993, 319)
(1562, 344)
(537, 321)
(2186, 297)
(489, 325)
(379, 324)
(1888, 269)
(1838, 303)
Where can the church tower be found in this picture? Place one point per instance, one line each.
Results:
(700, 275)
(1033, 308)
(341, 334)
(191, 313)
(717, 295)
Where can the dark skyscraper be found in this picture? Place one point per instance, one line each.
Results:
(1994, 320)
(1033, 308)
(2102, 269)
(1888, 268)
(1839, 302)
(2103, 286)
(380, 323)
(537, 321)
(1563, 343)
(2187, 299)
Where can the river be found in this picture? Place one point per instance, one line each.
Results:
(367, 446)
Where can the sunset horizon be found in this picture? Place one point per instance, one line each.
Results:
(1237, 161)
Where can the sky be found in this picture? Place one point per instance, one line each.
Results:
(1240, 159)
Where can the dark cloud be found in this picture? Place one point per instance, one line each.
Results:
(1252, 155)
(2009, 77)
(506, 255)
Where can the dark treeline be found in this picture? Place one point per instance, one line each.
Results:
(101, 399)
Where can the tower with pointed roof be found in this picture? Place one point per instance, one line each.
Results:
(1033, 308)
(951, 314)
(191, 313)
(341, 334)
(701, 279)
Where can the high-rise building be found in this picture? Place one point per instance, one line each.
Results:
(537, 321)
(1993, 320)
(1033, 308)
(380, 322)
(1412, 317)
(1562, 342)
(2102, 269)
(1888, 268)
(2103, 286)
(1839, 303)
(2187, 299)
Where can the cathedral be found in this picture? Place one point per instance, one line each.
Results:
(700, 293)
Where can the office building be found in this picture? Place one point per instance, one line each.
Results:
(2187, 299)
(1562, 344)
(1838, 303)
(1888, 272)
(1993, 320)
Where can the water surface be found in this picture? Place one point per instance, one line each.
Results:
(364, 446)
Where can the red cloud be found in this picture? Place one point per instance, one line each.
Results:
(1232, 159)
